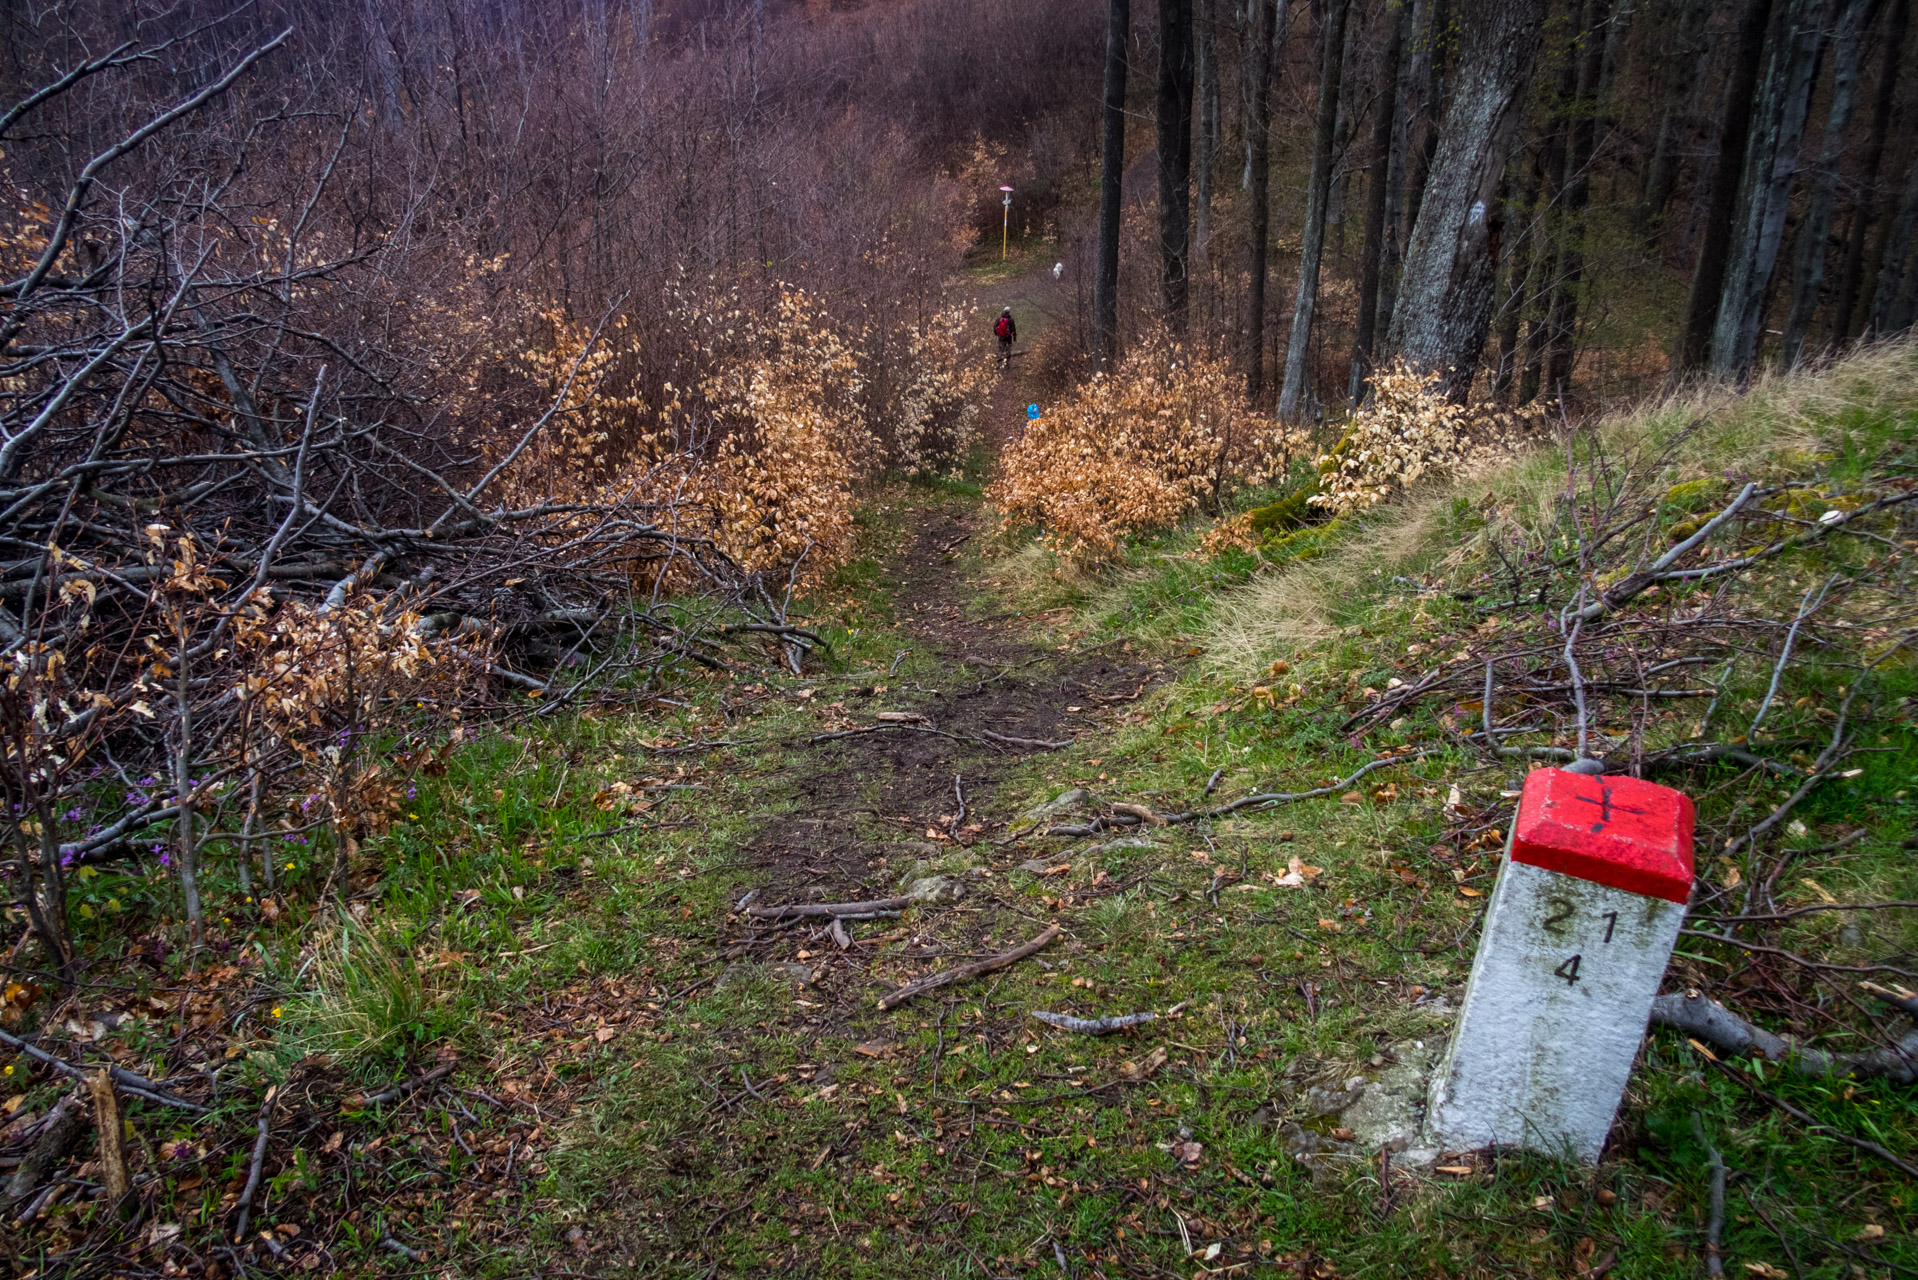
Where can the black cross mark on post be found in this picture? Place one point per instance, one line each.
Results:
(1605, 807)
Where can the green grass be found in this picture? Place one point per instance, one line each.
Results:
(505, 931)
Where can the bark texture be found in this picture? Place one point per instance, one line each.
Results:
(1446, 301)
(1264, 22)
(1379, 256)
(1708, 274)
(1845, 306)
(1771, 163)
(1808, 259)
(1294, 391)
(1105, 287)
(1206, 147)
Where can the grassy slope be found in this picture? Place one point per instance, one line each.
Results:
(984, 1167)
(574, 978)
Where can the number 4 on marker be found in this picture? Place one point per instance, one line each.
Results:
(1568, 971)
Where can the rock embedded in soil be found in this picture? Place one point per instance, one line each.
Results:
(1064, 802)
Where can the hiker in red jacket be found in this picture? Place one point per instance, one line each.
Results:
(1006, 331)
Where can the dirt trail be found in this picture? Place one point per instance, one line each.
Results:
(991, 677)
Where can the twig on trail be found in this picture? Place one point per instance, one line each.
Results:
(1212, 783)
(1028, 744)
(838, 909)
(685, 747)
(955, 544)
(958, 794)
(138, 1086)
(885, 728)
(897, 658)
(259, 1159)
(1286, 797)
(404, 1086)
(1821, 768)
(1094, 1026)
(406, 1251)
(1871, 1148)
(934, 981)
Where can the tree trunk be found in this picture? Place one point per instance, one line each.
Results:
(1554, 176)
(1446, 303)
(1435, 44)
(1206, 156)
(1580, 149)
(1708, 276)
(1105, 289)
(1689, 60)
(1808, 262)
(1771, 161)
(1293, 392)
(1518, 282)
(1175, 156)
(1845, 305)
(1891, 304)
(1398, 227)
(1378, 258)
(1267, 16)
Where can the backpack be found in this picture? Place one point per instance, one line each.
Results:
(1004, 328)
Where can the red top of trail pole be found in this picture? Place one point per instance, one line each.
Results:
(1616, 831)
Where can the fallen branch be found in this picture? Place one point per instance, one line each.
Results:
(934, 981)
(1026, 744)
(138, 1086)
(404, 1086)
(1903, 1166)
(1286, 797)
(1705, 1019)
(57, 1133)
(835, 909)
(259, 1159)
(1094, 1026)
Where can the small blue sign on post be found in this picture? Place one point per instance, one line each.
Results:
(1032, 411)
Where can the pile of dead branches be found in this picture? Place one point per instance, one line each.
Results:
(1742, 638)
(256, 542)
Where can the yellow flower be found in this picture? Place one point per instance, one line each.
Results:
(276, 1010)
(289, 866)
(9, 1068)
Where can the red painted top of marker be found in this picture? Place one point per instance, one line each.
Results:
(1616, 831)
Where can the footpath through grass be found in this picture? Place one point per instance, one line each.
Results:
(647, 1080)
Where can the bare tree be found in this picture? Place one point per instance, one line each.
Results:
(1175, 156)
(1379, 257)
(1293, 391)
(1771, 165)
(1445, 304)
(1808, 259)
(1263, 34)
(1694, 343)
(1865, 203)
(1105, 288)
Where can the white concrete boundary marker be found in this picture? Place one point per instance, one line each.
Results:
(1576, 938)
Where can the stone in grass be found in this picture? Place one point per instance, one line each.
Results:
(931, 890)
(1063, 803)
(799, 975)
(1347, 1123)
(944, 865)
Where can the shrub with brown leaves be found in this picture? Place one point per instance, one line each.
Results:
(1136, 450)
(1407, 430)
